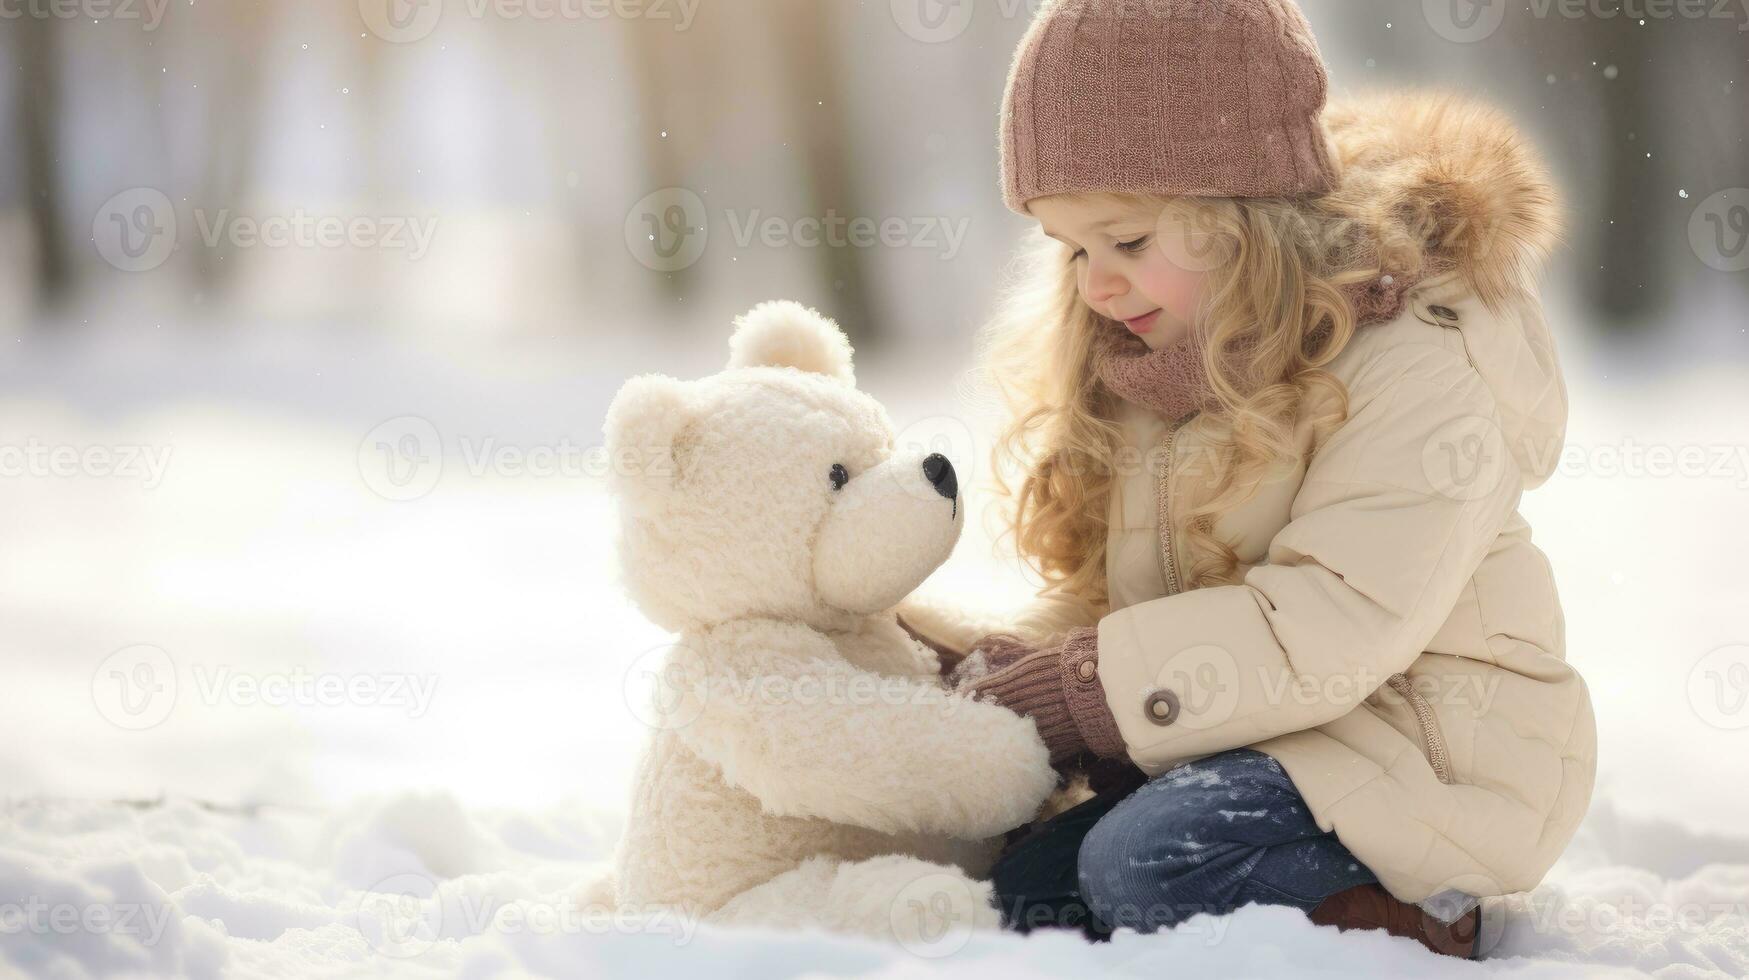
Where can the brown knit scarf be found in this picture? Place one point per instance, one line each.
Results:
(1171, 380)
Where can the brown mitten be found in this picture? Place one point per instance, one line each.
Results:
(989, 654)
(1058, 687)
(946, 659)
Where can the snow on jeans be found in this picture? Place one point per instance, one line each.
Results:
(1208, 836)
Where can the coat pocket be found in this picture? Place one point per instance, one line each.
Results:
(1432, 740)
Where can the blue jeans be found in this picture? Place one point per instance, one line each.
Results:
(1209, 836)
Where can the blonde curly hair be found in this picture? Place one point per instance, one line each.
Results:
(1274, 297)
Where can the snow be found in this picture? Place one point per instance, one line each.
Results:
(417, 885)
(264, 827)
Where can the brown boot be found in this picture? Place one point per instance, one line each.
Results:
(1371, 907)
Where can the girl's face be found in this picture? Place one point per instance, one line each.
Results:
(1132, 267)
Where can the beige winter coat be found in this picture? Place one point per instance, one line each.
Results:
(1397, 642)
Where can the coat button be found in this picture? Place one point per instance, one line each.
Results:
(1445, 313)
(1086, 670)
(1161, 707)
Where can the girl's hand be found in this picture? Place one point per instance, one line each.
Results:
(989, 654)
(1058, 688)
(946, 659)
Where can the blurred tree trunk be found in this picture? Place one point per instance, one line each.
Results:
(38, 114)
(676, 81)
(811, 101)
(777, 60)
(228, 114)
(1632, 273)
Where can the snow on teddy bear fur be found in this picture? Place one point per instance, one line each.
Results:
(807, 767)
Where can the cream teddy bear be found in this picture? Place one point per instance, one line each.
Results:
(807, 767)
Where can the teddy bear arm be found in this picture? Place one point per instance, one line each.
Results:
(830, 741)
(943, 625)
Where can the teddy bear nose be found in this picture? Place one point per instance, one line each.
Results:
(940, 474)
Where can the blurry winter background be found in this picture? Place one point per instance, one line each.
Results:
(309, 314)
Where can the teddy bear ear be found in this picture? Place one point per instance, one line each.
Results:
(644, 421)
(781, 333)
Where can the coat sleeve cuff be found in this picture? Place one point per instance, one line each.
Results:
(1183, 677)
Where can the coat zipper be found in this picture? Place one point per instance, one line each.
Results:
(1168, 563)
(1436, 755)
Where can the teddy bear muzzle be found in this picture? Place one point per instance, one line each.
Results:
(889, 528)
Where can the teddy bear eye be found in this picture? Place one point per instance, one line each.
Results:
(840, 476)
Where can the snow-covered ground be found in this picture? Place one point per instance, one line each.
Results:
(260, 717)
(415, 885)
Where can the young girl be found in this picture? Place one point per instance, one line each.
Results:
(1279, 378)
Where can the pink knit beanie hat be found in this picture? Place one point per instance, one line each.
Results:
(1208, 98)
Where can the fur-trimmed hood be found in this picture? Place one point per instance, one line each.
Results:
(1451, 178)
(1456, 193)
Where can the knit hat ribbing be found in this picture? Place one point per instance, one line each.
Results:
(1208, 98)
